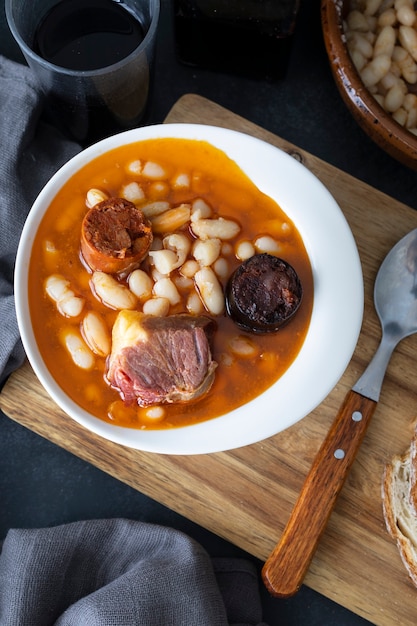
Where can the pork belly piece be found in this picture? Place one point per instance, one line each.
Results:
(158, 360)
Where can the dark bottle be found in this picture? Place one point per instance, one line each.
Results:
(250, 38)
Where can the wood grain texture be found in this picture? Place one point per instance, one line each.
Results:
(246, 495)
(287, 565)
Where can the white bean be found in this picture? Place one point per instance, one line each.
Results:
(159, 307)
(410, 101)
(359, 61)
(70, 305)
(210, 290)
(398, 4)
(221, 267)
(181, 181)
(189, 268)
(156, 275)
(157, 244)
(94, 196)
(155, 208)
(207, 251)
(408, 39)
(171, 220)
(358, 41)
(155, 413)
(357, 21)
(183, 283)
(406, 15)
(158, 189)
(386, 4)
(165, 288)
(58, 289)
(243, 346)
(388, 81)
(78, 350)
(379, 98)
(153, 170)
(406, 64)
(179, 244)
(219, 228)
(135, 167)
(385, 41)
(372, 6)
(395, 97)
(375, 70)
(399, 54)
(227, 248)
(400, 116)
(112, 293)
(245, 250)
(163, 260)
(200, 209)
(226, 359)
(133, 192)
(372, 22)
(387, 18)
(411, 118)
(49, 247)
(141, 284)
(96, 334)
(56, 286)
(267, 244)
(194, 305)
(395, 68)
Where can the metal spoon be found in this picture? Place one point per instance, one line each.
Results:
(395, 297)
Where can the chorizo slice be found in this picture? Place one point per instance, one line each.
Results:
(263, 294)
(115, 236)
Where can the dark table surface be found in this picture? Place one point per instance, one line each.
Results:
(43, 485)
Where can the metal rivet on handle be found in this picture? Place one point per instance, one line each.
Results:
(339, 454)
(356, 416)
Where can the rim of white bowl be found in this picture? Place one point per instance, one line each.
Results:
(337, 309)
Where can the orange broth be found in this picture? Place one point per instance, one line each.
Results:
(221, 183)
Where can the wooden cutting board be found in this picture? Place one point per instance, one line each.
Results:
(246, 495)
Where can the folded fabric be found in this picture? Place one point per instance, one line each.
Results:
(32, 152)
(100, 572)
(118, 572)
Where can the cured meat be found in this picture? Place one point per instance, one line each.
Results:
(263, 294)
(115, 236)
(158, 360)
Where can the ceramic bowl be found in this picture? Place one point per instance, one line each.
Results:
(374, 120)
(337, 306)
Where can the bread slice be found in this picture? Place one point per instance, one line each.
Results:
(399, 490)
(413, 473)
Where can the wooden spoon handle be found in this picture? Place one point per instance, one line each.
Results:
(285, 568)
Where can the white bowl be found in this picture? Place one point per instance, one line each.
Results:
(337, 307)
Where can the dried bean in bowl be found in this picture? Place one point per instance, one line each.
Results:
(381, 38)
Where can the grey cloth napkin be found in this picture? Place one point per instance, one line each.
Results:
(31, 153)
(102, 572)
(118, 572)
